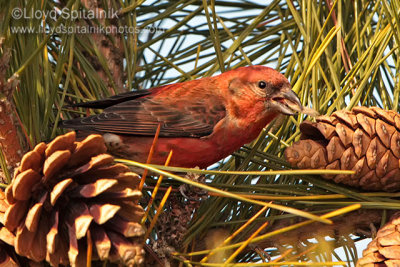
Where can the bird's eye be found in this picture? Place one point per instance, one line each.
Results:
(262, 84)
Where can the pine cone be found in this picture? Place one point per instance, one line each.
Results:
(7, 254)
(172, 225)
(384, 250)
(67, 193)
(365, 140)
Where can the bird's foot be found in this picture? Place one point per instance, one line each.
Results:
(112, 141)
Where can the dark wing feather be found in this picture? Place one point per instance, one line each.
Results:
(143, 115)
(113, 100)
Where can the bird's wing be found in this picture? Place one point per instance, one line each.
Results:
(181, 118)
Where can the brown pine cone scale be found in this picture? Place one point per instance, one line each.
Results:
(365, 140)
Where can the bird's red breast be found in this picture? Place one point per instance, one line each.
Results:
(202, 120)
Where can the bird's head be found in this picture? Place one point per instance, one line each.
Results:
(265, 85)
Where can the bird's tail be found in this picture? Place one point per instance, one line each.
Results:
(113, 100)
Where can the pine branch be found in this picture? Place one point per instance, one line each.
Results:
(9, 141)
(110, 47)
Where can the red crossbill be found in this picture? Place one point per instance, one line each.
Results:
(202, 121)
